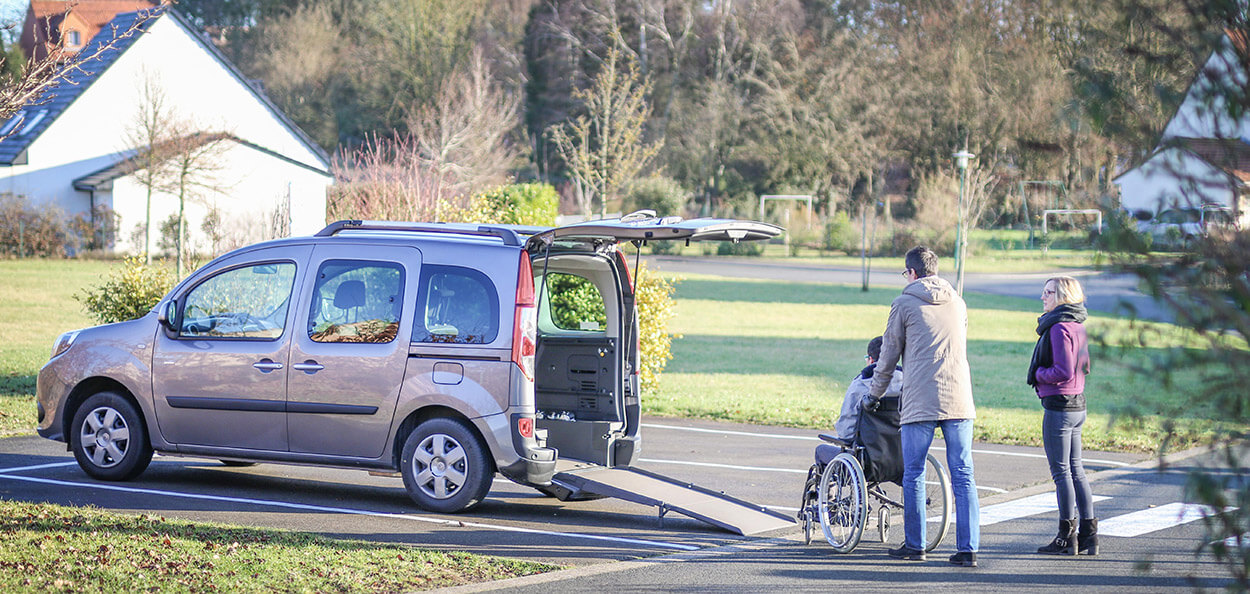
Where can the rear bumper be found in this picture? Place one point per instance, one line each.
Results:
(537, 463)
(535, 473)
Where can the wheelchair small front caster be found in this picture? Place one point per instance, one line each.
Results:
(883, 524)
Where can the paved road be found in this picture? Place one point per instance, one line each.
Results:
(1153, 552)
(765, 465)
(761, 464)
(1106, 292)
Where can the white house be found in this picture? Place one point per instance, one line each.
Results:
(1203, 156)
(267, 177)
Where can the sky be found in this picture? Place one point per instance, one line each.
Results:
(12, 13)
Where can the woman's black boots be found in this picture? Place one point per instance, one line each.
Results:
(1065, 543)
(1087, 538)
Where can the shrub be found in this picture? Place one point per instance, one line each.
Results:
(740, 248)
(662, 194)
(128, 293)
(839, 234)
(28, 231)
(92, 232)
(574, 300)
(653, 296)
(515, 204)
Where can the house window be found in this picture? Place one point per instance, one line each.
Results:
(12, 123)
(73, 38)
(33, 121)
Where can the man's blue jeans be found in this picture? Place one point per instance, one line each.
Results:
(917, 437)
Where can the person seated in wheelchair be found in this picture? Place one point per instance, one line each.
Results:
(846, 428)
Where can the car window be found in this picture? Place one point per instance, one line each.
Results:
(456, 305)
(1169, 217)
(247, 302)
(575, 302)
(1218, 217)
(356, 301)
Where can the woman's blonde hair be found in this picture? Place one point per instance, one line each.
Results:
(1067, 290)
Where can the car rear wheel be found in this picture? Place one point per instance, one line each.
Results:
(108, 438)
(445, 466)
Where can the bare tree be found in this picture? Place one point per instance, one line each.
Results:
(464, 136)
(150, 131)
(193, 164)
(604, 148)
(384, 179)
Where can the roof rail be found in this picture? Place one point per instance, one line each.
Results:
(509, 237)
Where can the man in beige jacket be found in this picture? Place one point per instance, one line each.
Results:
(928, 330)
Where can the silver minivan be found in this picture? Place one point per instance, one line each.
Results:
(443, 352)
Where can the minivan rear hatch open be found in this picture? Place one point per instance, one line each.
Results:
(587, 391)
(646, 227)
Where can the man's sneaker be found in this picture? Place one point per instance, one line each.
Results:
(964, 559)
(907, 554)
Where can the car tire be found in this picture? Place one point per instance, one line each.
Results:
(109, 439)
(445, 466)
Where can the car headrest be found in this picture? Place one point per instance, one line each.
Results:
(350, 294)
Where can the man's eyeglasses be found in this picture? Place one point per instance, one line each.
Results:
(904, 273)
(1047, 292)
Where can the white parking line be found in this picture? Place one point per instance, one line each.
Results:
(808, 438)
(727, 432)
(729, 466)
(343, 510)
(764, 469)
(1156, 518)
(1023, 508)
(36, 467)
(1030, 455)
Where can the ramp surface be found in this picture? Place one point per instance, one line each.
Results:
(668, 494)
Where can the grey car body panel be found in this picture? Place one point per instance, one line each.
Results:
(356, 374)
(189, 368)
(120, 352)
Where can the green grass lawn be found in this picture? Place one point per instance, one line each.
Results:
(36, 305)
(989, 251)
(51, 548)
(780, 353)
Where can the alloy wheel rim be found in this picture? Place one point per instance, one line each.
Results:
(105, 437)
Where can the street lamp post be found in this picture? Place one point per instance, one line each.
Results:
(961, 231)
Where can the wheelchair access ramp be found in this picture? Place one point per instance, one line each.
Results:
(648, 488)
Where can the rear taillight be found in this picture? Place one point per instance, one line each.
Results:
(525, 427)
(525, 320)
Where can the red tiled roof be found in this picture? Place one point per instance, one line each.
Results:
(94, 12)
(46, 22)
(1228, 154)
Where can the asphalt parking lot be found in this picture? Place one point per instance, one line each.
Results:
(764, 465)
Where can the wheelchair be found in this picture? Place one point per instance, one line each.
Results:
(842, 493)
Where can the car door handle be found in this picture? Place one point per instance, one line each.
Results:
(267, 365)
(310, 367)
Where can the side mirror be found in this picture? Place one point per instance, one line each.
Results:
(168, 315)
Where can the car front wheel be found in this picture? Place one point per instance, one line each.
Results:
(109, 439)
(445, 466)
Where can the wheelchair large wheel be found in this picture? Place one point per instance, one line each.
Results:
(937, 495)
(843, 503)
